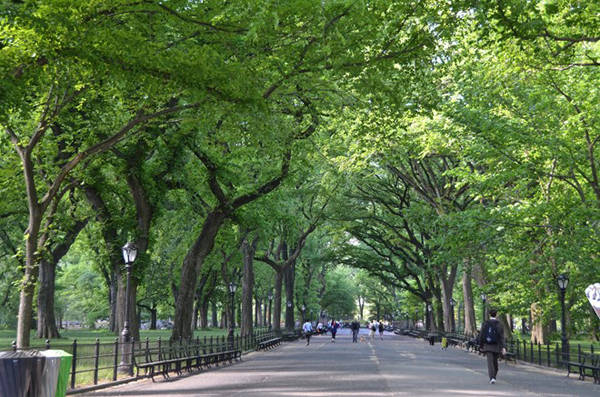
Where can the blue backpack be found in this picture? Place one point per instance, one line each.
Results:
(491, 334)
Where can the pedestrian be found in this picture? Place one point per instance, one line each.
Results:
(372, 329)
(319, 328)
(355, 327)
(380, 330)
(491, 342)
(334, 327)
(308, 330)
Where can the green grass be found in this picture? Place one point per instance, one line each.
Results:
(85, 336)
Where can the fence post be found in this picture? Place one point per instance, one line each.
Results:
(204, 346)
(96, 358)
(211, 345)
(548, 353)
(116, 358)
(531, 356)
(147, 352)
(160, 356)
(539, 348)
(74, 364)
(579, 352)
(518, 350)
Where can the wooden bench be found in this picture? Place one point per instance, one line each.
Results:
(178, 358)
(586, 362)
(268, 343)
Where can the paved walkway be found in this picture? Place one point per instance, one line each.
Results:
(395, 366)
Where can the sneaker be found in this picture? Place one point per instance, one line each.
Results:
(492, 381)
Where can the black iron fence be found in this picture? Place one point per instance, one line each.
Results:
(549, 354)
(102, 364)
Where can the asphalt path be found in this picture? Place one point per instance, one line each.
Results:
(394, 366)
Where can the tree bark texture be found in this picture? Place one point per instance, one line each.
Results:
(289, 275)
(204, 314)
(46, 323)
(248, 250)
(192, 265)
(278, 284)
(470, 324)
(46, 326)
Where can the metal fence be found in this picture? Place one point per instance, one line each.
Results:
(102, 364)
(549, 355)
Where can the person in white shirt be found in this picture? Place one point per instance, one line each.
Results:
(308, 330)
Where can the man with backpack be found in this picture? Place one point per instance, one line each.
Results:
(491, 342)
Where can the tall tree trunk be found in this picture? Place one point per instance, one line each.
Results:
(46, 325)
(539, 331)
(470, 324)
(112, 300)
(277, 301)
(447, 280)
(30, 276)
(289, 277)
(190, 270)
(248, 250)
(46, 322)
(195, 315)
(153, 315)
(215, 314)
(204, 314)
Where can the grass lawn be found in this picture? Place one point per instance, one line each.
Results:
(85, 336)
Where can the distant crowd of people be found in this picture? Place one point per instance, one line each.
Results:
(309, 329)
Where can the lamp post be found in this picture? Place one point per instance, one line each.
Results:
(129, 254)
(287, 315)
(270, 313)
(428, 317)
(563, 281)
(452, 325)
(303, 310)
(232, 288)
(483, 300)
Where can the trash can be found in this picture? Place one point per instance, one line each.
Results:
(56, 372)
(21, 373)
(32, 373)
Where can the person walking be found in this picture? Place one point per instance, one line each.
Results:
(334, 327)
(491, 342)
(380, 326)
(355, 327)
(308, 330)
(372, 329)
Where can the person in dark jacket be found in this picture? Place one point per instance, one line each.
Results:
(334, 327)
(381, 328)
(355, 327)
(492, 343)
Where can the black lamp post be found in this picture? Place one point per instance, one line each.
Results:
(232, 288)
(289, 307)
(129, 255)
(303, 311)
(563, 281)
(483, 300)
(428, 317)
(452, 325)
(270, 313)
